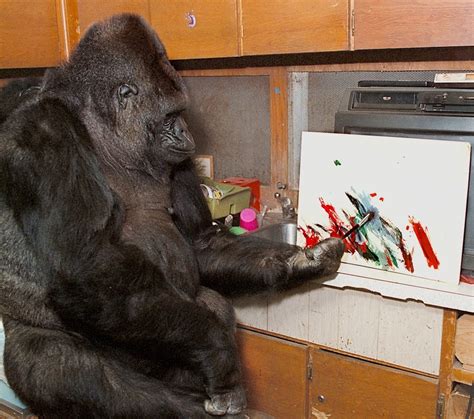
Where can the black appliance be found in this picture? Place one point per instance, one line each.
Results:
(416, 112)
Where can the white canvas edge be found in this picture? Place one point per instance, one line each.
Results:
(459, 297)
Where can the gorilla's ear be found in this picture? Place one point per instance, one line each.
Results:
(124, 92)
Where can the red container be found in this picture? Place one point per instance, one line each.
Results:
(252, 183)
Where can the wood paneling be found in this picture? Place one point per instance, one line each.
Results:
(91, 11)
(413, 24)
(28, 34)
(68, 21)
(196, 29)
(278, 27)
(343, 387)
(279, 125)
(447, 352)
(406, 334)
(275, 374)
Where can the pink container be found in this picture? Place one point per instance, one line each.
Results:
(248, 219)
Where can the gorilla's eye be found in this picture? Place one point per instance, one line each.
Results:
(169, 121)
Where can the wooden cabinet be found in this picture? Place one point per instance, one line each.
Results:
(275, 374)
(293, 380)
(189, 29)
(281, 27)
(413, 24)
(196, 29)
(29, 35)
(344, 387)
(90, 11)
(39, 33)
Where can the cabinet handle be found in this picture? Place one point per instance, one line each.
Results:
(191, 19)
(321, 398)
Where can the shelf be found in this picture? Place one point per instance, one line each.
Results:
(461, 375)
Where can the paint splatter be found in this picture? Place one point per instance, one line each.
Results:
(422, 236)
(379, 241)
(311, 236)
(337, 162)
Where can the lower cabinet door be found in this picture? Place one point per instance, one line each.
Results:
(343, 387)
(275, 374)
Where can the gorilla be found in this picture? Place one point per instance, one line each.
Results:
(114, 278)
(12, 95)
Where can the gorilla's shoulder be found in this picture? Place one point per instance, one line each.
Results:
(16, 92)
(43, 123)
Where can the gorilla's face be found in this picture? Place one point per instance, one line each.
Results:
(133, 96)
(149, 115)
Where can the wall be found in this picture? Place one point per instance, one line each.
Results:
(230, 119)
(402, 333)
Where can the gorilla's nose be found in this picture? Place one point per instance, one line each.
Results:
(181, 132)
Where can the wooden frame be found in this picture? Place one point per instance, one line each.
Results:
(68, 21)
(278, 87)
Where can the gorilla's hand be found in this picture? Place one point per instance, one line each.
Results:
(230, 403)
(322, 260)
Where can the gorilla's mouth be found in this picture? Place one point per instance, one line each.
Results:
(174, 138)
(184, 150)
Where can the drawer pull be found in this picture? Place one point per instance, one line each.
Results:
(191, 19)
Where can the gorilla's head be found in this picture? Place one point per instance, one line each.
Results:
(128, 95)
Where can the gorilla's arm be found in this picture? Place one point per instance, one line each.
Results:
(98, 284)
(237, 265)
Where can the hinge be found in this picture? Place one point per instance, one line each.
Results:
(353, 22)
(440, 407)
(309, 368)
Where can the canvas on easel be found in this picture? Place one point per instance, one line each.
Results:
(416, 189)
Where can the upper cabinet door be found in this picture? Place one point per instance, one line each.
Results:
(196, 28)
(90, 11)
(412, 24)
(29, 35)
(282, 26)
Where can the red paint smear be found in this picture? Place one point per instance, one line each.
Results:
(336, 222)
(337, 227)
(389, 260)
(373, 194)
(363, 247)
(407, 256)
(312, 238)
(425, 243)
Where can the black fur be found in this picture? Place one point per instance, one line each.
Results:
(109, 255)
(15, 93)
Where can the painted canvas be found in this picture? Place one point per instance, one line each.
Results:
(415, 191)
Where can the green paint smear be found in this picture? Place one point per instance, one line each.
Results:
(337, 162)
(393, 258)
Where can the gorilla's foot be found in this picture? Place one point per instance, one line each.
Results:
(230, 403)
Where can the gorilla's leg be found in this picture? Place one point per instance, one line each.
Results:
(61, 375)
(218, 304)
(229, 401)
